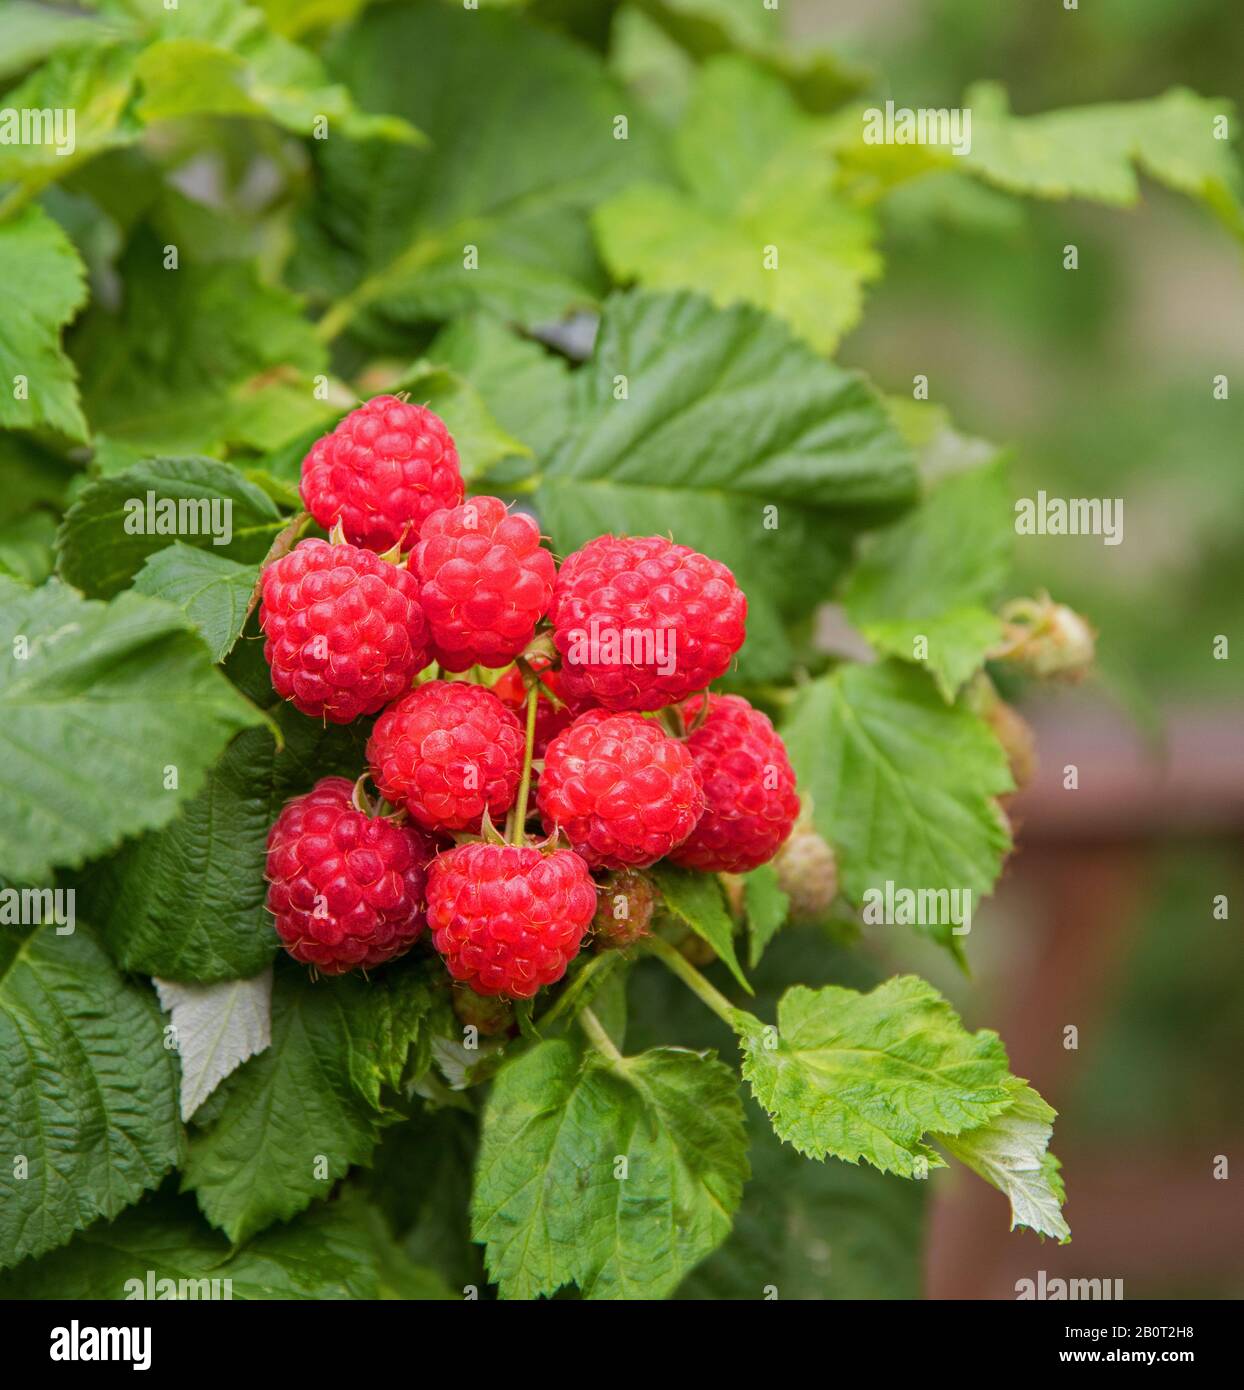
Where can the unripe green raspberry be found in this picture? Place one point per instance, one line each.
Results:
(623, 909)
(807, 872)
(1046, 639)
(492, 1015)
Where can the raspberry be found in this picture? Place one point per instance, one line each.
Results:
(486, 582)
(385, 468)
(1046, 639)
(345, 888)
(551, 718)
(807, 873)
(508, 919)
(621, 790)
(447, 751)
(749, 787)
(1018, 741)
(623, 910)
(345, 632)
(642, 623)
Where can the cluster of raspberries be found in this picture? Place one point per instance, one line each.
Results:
(416, 573)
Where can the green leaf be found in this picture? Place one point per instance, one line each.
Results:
(26, 546)
(218, 1027)
(815, 1231)
(901, 784)
(337, 1250)
(766, 907)
(526, 388)
(88, 1093)
(1092, 152)
(94, 83)
(43, 287)
(187, 902)
(818, 76)
(696, 900)
(289, 1122)
(198, 358)
(97, 703)
(121, 519)
(548, 1198)
(868, 1076)
(212, 590)
(933, 574)
(521, 123)
(1011, 1152)
(720, 427)
(33, 32)
(757, 219)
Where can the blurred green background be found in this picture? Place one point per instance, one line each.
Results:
(1101, 380)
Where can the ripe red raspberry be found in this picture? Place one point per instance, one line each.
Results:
(642, 623)
(621, 790)
(346, 889)
(345, 632)
(486, 582)
(551, 718)
(749, 787)
(385, 468)
(508, 919)
(623, 910)
(445, 752)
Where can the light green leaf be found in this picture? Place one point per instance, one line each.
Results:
(757, 219)
(120, 520)
(314, 1095)
(934, 573)
(868, 1076)
(1092, 152)
(696, 900)
(548, 1199)
(43, 286)
(33, 32)
(218, 1028)
(26, 546)
(816, 1231)
(212, 590)
(97, 703)
(521, 123)
(901, 784)
(337, 1250)
(94, 86)
(88, 1093)
(766, 907)
(1011, 1152)
(198, 358)
(188, 902)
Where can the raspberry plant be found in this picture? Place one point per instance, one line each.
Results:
(356, 365)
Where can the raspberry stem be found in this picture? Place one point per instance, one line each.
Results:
(519, 813)
(692, 978)
(597, 1036)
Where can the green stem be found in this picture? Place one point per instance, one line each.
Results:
(692, 978)
(599, 1039)
(601, 964)
(524, 787)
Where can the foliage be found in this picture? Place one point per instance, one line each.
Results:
(272, 210)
